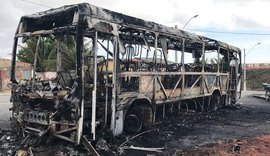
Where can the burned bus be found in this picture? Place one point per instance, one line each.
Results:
(136, 73)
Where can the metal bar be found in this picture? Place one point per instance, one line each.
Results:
(220, 84)
(63, 137)
(176, 56)
(164, 110)
(196, 81)
(203, 71)
(154, 99)
(106, 49)
(213, 84)
(183, 74)
(176, 99)
(66, 130)
(141, 52)
(63, 123)
(91, 150)
(59, 56)
(183, 56)
(203, 62)
(51, 115)
(147, 53)
(40, 134)
(164, 51)
(206, 85)
(154, 84)
(219, 60)
(137, 74)
(151, 81)
(115, 86)
(183, 68)
(13, 62)
(34, 33)
(80, 78)
(107, 89)
(44, 32)
(155, 52)
(177, 83)
(33, 129)
(162, 87)
(228, 89)
(94, 92)
(35, 63)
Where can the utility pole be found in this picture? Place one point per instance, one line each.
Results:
(189, 21)
(176, 54)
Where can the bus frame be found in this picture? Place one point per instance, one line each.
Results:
(133, 91)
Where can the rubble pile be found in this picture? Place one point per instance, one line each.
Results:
(8, 142)
(10, 145)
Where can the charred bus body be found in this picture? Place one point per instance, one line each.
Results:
(130, 86)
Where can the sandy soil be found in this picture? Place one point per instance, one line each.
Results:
(251, 146)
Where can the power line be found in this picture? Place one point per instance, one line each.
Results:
(37, 3)
(234, 33)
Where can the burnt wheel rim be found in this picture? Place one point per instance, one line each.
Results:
(133, 123)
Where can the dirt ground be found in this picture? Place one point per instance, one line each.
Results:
(252, 146)
(182, 135)
(240, 130)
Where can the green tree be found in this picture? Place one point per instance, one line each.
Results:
(47, 52)
(27, 53)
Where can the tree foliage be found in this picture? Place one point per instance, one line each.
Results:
(47, 52)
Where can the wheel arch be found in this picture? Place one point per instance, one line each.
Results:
(142, 106)
(216, 91)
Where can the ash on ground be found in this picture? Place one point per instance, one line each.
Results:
(173, 135)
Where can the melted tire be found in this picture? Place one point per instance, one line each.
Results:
(215, 101)
(133, 122)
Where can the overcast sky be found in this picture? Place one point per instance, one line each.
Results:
(246, 21)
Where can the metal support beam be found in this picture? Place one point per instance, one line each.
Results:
(59, 55)
(94, 92)
(80, 78)
(155, 82)
(13, 61)
(35, 63)
(155, 52)
(91, 150)
(107, 89)
(183, 74)
(115, 80)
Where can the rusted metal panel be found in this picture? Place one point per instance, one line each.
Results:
(146, 84)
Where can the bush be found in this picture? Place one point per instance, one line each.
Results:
(255, 78)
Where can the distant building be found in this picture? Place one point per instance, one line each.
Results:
(23, 71)
(258, 66)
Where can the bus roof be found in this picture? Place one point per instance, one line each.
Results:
(69, 15)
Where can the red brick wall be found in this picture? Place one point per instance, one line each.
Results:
(258, 66)
(5, 76)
